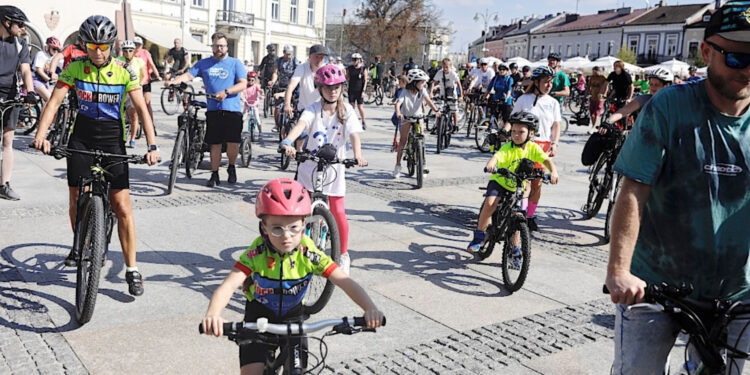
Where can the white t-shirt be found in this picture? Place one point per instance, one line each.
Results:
(485, 78)
(308, 94)
(322, 129)
(41, 60)
(547, 109)
(411, 104)
(451, 80)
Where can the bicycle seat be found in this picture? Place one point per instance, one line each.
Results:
(199, 103)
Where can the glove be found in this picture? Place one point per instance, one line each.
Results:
(31, 98)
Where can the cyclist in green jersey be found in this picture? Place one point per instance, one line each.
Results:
(101, 84)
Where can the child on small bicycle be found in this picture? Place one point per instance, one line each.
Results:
(251, 98)
(523, 126)
(329, 121)
(282, 257)
(410, 105)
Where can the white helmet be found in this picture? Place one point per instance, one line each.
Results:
(288, 49)
(483, 61)
(417, 75)
(356, 56)
(125, 44)
(662, 74)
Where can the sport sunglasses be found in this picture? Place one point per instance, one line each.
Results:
(734, 60)
(100, 47)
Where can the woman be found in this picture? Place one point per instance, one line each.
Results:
(537, 100)
(658, 79)
(322, 122)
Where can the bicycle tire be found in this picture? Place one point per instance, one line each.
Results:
(419, 167)
(176, 158)
(410, 159)
(470, 118)
(320, 214)
(55, 133)
(574, 105)
(507, 265)
(486, 248)
(34, 112)
(253, 134)
(246, 151)
(92, 244)
(481, 132)
(596, 188)
(610, 208)
(167, 105)
(439, 135)
(139, 132)
(448, 132)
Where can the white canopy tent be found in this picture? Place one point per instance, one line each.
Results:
(675, 66)
(539, 63)
(492, 60)
(606, 63)
(575, 63)
(520, 61)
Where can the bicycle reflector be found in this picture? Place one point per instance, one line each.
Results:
(327, 152)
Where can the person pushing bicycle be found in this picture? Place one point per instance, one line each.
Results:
(275, 270)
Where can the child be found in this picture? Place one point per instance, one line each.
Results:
(329, 121)
(394, 119)
(408, 105)
(282, 252)
(523, 126)
(250, 97)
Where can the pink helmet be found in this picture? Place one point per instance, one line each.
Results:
(283, 197)
(54, 42)
(329, 75)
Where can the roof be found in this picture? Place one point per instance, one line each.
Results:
(668, 14)
(601, 20)
(700, 24)
(504, 30)
(532, 24)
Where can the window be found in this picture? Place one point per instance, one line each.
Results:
(633, 43)
(598, 49)
(310, 12)
(533, 52)
(275, 10)
(671, 44)
(578, 49)
(198, 3)
(293, 11)
(588, 49)
(693, 50)
(228, 4)
(652, 45)
(198, 37)
(568, 50)
(610, 48)
(559, 49)
(542, 54)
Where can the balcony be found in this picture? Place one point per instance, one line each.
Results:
(231, 17)
(646, 59)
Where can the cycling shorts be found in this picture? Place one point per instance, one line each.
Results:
(356, 98)
(494, 189)
(256, 353)
(79, 166)
(223, 127)
(146, 87)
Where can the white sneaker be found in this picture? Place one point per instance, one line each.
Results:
(345, 262)
(397, 172)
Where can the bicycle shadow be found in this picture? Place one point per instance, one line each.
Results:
(564, 226)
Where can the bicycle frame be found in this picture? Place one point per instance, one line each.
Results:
(95, 184)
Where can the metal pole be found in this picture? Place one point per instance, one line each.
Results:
(125, 17)
(341, 40)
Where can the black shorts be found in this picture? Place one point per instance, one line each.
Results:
(10, 118)
(146, 87)
(80, 165)
(356, 98)
(503, 111)
(223, 127)
(255, 353)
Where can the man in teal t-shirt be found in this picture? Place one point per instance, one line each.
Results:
(561, 84)
(683, 211)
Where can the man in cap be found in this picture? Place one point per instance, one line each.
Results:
(304, 78)
(693, 74)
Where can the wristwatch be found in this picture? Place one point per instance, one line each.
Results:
(153, 148)
(226, 91)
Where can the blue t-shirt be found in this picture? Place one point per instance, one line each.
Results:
(695, 225)
(219, 76)
(691, 79)
(501, 85)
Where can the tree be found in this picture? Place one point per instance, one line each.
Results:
(697, 60)
(395, 29)
(626, 55)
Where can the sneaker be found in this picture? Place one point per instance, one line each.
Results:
(275, 129)
(232, 178)
(135, 282)
(72, 259)
(7, 193)
(214, 180)
(532, 223)
(132, 143)
(397, 172)
(516, 257)
(345, 262)
(476, 242)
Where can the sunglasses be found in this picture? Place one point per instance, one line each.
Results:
(128, 50)
(278, 231)
(100, 47)
(734, 60)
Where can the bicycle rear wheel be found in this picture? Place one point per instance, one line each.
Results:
(179, 147)
(246, 150)
(610, 209)
(485, 250)
(410, 160)
(516, 255)
(171, 101)
(419, 165)
(470, 119)
(447, 132)
(92, 242)
(574, 105)
(28, 118)
(322, 229)
(598, 184)
(481, 134)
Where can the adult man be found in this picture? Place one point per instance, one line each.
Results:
(448, 82)
(622, 84)
(687, 163)
(267, 67)
(181, 58)
(501, 86)
(409, 66)
(356, 75)
(304, 77)
(285, 67)
(138, 66)
(598, 87)
(561, 83)
(101, 84)
(225, 78)
(693, 72)
(14, 56)
(481, 79)
(517, 77)
(150, 70)
(378, 74)
(41, 68)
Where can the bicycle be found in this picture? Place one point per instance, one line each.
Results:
(267, 102)
(173, 98)
(286, 124)
(704, 321)
(575, 100)
(601, 174)
(28, 118)
(196, 132)
(321, 226)
(287, 360)
(414, 150)
(581, 117)
(472, 114)
(486, 126)
(444, 123)
(508, 225)
(93, 227)
(373, 94)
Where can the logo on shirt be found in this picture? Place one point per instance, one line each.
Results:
(722, 169)
(98, 97)
(218, 72)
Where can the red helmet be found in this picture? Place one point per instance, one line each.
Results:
(252, 74)
(54, 43)
(283, 197)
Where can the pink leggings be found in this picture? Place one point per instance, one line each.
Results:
(337, 209)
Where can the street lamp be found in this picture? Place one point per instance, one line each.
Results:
(486, 17)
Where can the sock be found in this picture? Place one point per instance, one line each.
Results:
(532, 209)
(131, 269)
(525, 204)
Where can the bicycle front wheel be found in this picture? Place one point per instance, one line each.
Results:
(92, 237)
(179, 147)
(447, 132)
(481, 138)
(516, 255)
(246, 150)
(29, 117)
(598, 181)
(419, 165)
(574, 105)
(171, 101)
(322, 229)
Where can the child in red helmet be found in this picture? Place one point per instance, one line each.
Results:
(251, 97)
(281, 256)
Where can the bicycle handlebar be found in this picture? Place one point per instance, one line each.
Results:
(508, 174)
(64, 152)
(302, 156)
(289, 329)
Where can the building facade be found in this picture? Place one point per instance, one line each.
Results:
(694, 36)
(517, 41)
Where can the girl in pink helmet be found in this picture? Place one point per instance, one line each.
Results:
(329, 121)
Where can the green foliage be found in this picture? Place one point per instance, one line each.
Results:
(626, 55)
(697, 60)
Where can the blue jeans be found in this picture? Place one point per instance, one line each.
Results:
(644, 338)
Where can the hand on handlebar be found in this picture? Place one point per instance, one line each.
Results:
(374, 318)
(288, 150)
(490, 168)
(41, 144)
(361, 162)
(288, 109)
(554, 178)
(152, 157)
(625, 288)
(213, 325)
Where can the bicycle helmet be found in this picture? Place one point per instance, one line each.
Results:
(271, 48)
(483, 61)
(542, 71)
(526, 118)
(53, 42)
(693, 68)
(663, 74)
(288, 49)
(252, 75)
(417, 75)
(12, 14)
(356, 56)
(98, 29)
(553, 56)
(329, 75)
(283, 197)
(513, 66)
(127, 44)
(502, 67)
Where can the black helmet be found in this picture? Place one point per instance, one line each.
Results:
(526, 118)
(526, 68)
(12, 14)
(98, 29)
(554, 56)
(271, 48)
(513, 66)
(502, 67)
(693, 68)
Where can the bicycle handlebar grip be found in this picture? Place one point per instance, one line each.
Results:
(227, 327)
(360, 321)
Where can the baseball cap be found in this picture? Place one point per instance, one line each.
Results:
(318, 48)
(137, 40)
(731, 22)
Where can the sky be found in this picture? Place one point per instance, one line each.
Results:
(461, 12)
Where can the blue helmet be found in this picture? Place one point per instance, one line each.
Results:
(542, 71)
